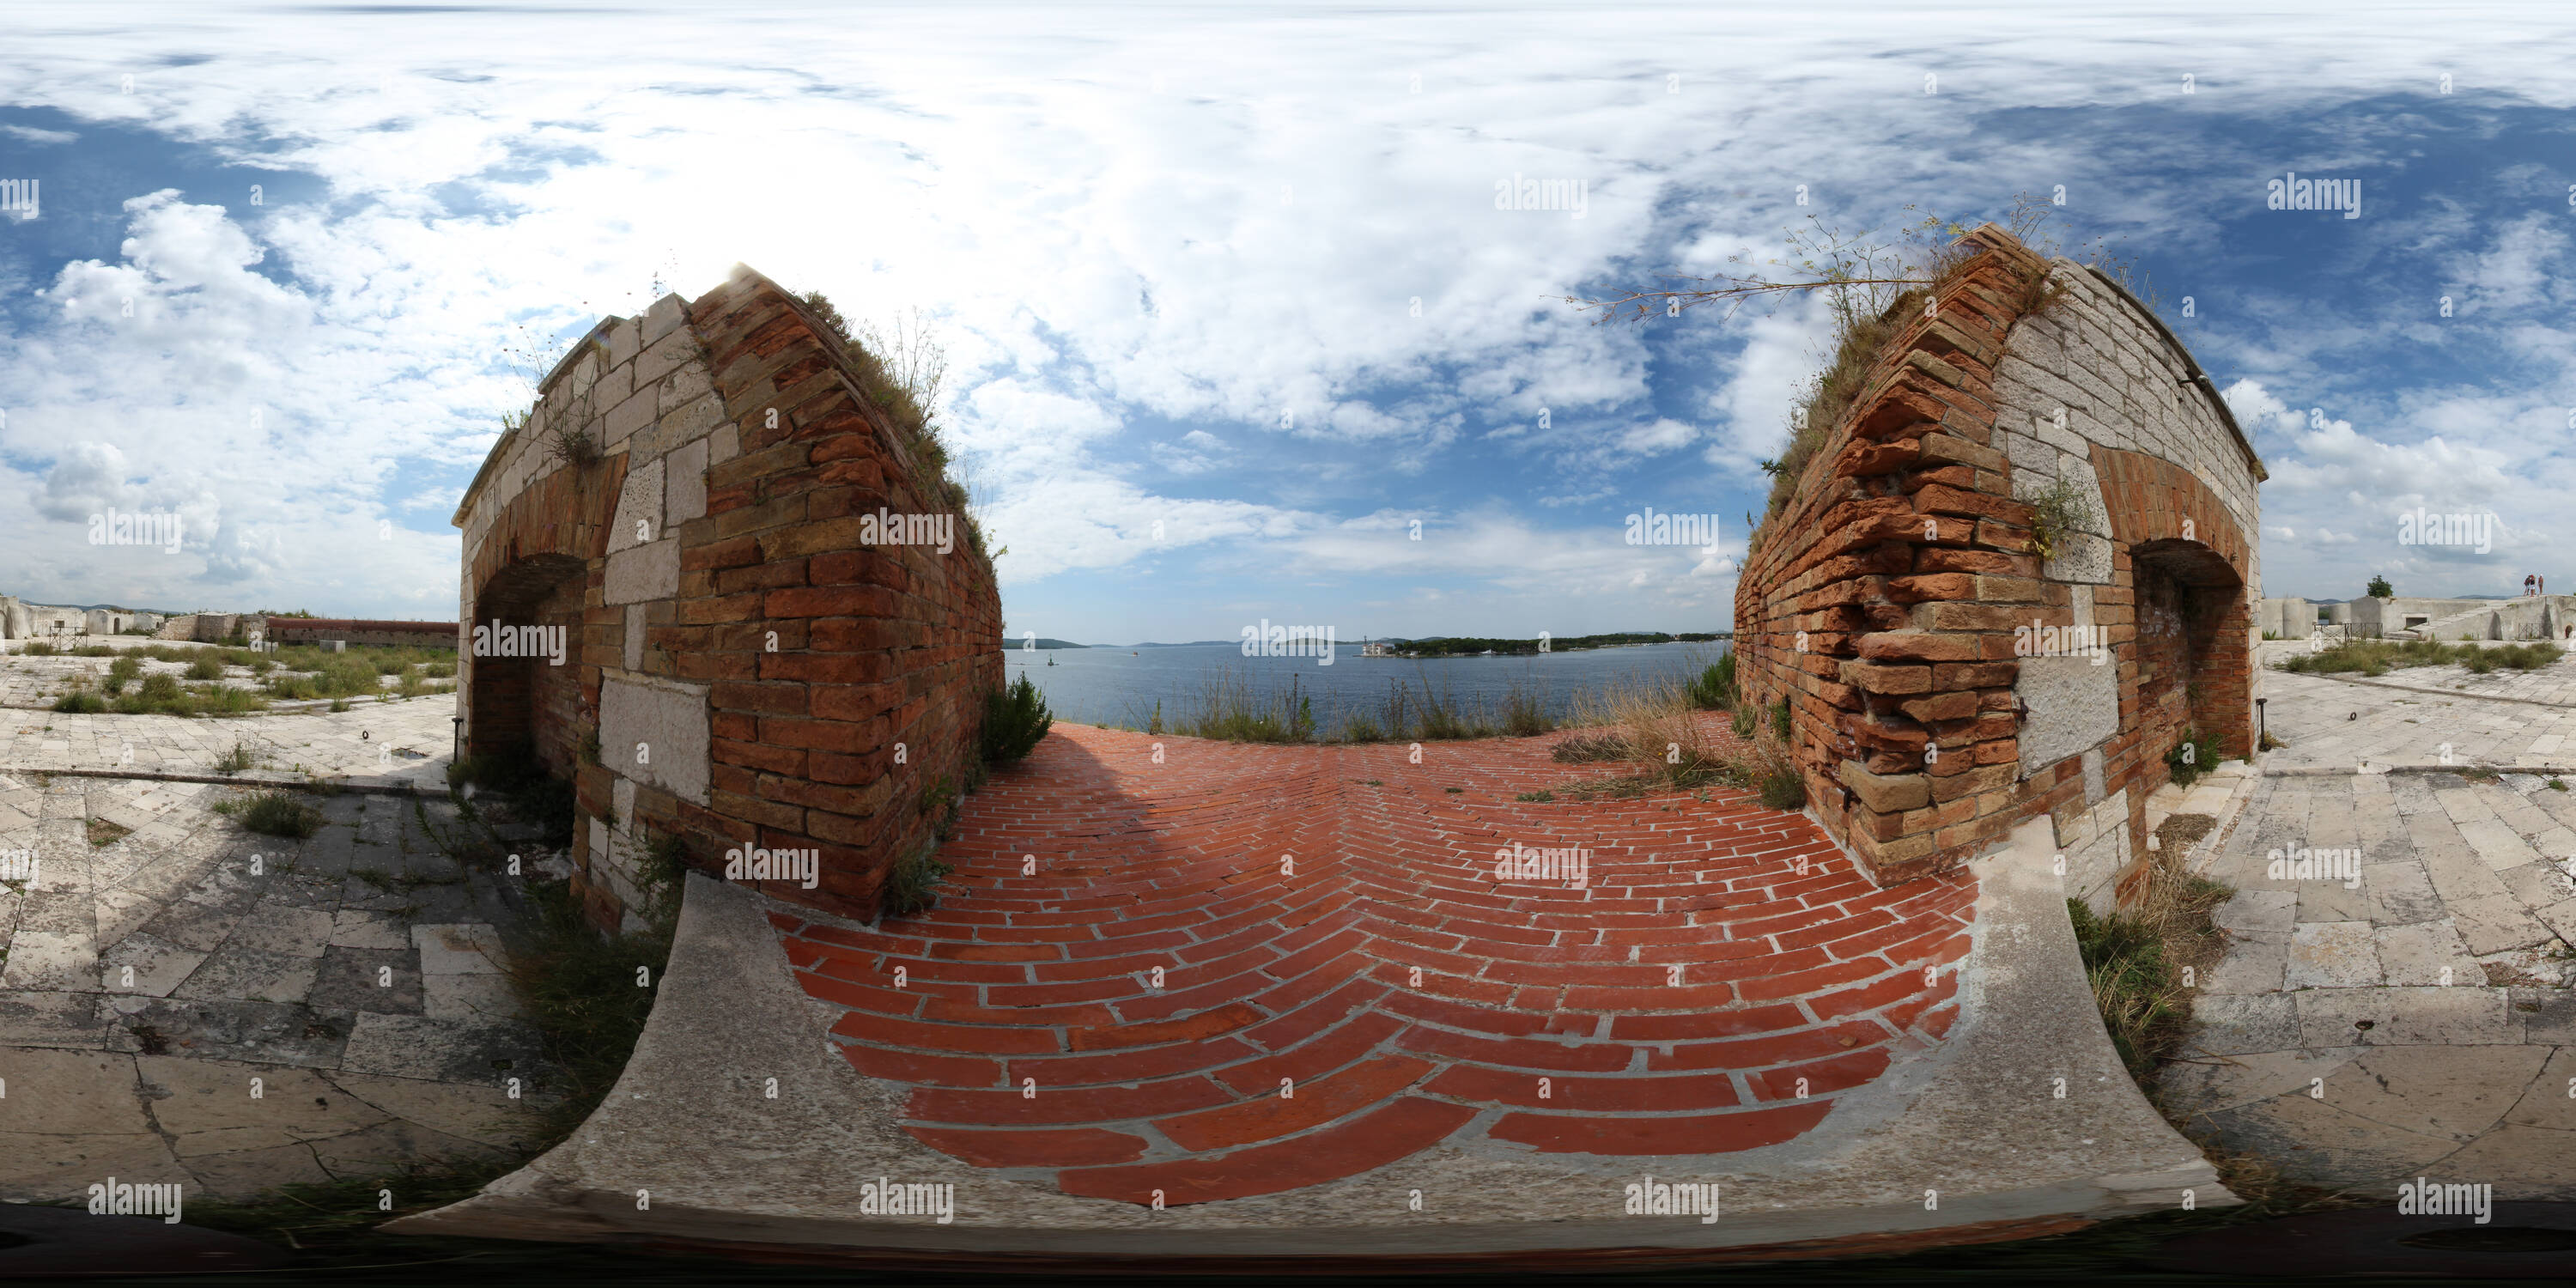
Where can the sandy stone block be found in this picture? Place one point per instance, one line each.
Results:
(2437, 1090)
(2249, 910)
(460, 949)
(643, 573)
(51, 961)
(351, 929)
(88, 1093)
(2332, 954)
(484, 1114)
(2232, 1025)
(2421, 952)
(201, 1097)
(285, 929)
(147, 965)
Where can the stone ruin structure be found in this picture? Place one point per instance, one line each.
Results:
(753, 659)
(1936, 696)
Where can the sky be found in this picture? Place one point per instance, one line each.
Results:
(1236, 330)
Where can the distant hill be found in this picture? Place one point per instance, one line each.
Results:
(1042, 642)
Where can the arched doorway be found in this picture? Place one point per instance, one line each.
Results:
(510, 692)
(2191, 623)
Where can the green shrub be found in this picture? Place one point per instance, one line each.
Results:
(1746, 715)
(912, 887)
(2192, 757)
(80, 702)
(1014, 720)
(161, 687)
(1525, 712)
(93, 650)
(1784, 788)
(279, 813)
(1714, 690)
(38, 648)
(1584, 748)
(1780, 719)
(206, 668)
(127, 666)
(234, 761)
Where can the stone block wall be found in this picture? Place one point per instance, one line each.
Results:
(1946, 681)
(309, 630)
(753, 666)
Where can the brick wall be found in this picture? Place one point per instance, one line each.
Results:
(1901, 608)
(762, 671)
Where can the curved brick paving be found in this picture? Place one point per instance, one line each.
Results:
(1380, 992)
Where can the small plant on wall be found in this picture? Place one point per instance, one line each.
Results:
(2056, 514)
(2192, 757)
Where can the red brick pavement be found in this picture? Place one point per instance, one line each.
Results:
(1250, 969)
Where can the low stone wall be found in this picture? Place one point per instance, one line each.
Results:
(750, 661)
(313, 630)
(1945, 679)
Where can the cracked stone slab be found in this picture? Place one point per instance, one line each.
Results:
(240, 1176)
(2427, 952)
(80, 1093)
(459, 949)
(146, 966)
(2258, 910)
(2454, 1091)
(244, 974)
(2332, 954)
(483, 1113)
(2457, 1016)
(408, 1046)
(2247, 1023)
(201, 1097)
(37, 1019)
(38, 1167)
(257, 1032)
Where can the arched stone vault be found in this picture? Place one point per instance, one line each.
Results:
(1946, 679)
(748, 661)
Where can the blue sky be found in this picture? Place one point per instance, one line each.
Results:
(1228, 303)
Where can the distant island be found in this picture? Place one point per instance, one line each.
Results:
(1466, 646)
(1437, 645)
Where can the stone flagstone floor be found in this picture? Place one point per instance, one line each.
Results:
(2416, 1020)
(149, 979)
